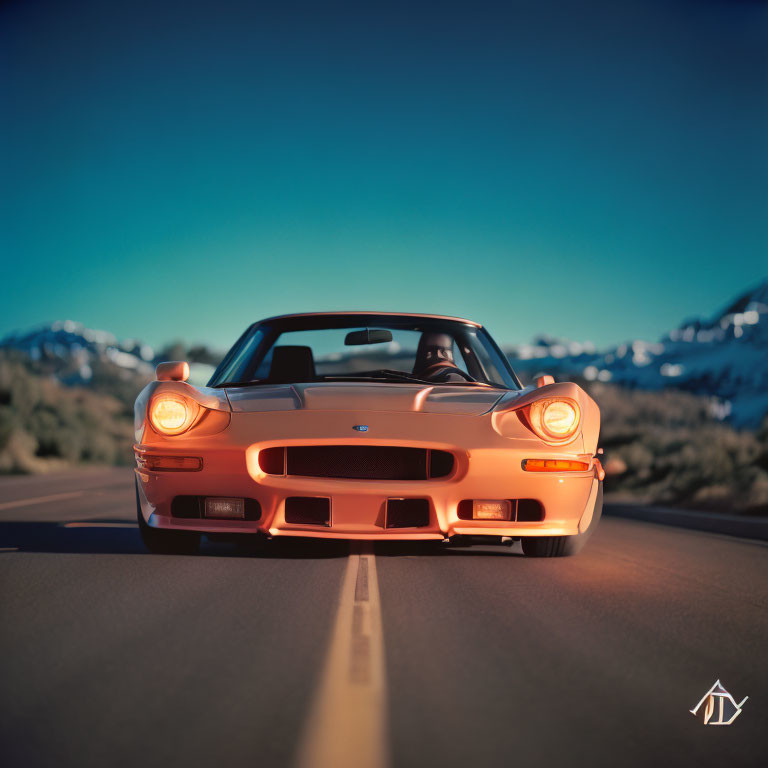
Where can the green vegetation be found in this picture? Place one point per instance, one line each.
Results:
(666, 448)
(45, 425)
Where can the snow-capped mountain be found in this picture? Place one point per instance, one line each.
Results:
(73, 353)
(71, 345)
(724, 357)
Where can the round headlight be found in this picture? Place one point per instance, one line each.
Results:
(560, 418)
(555, 419)
(172, 414)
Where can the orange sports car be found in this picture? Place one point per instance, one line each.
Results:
(366, 425)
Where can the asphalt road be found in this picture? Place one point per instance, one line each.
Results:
(113, 657)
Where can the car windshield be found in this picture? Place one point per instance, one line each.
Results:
(381, 348)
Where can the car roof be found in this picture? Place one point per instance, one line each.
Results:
(378, 314)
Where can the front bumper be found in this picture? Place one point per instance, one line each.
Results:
(488, 466)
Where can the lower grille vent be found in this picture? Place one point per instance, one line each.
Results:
(308, 510)
(407, 513)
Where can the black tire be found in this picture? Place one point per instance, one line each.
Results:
(563, 546)
(159, 541)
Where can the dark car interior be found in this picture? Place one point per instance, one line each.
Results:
(291, 363)
(434, 359)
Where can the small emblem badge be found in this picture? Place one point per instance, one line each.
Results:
(718, 707)
(360, 427)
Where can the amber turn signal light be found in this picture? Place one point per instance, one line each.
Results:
(554, 465)
(172, 463)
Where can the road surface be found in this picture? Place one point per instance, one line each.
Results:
(316, 654)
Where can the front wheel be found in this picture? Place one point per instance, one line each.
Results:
(162, 542)
(563, 546)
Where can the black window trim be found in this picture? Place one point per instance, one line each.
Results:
(277, 326)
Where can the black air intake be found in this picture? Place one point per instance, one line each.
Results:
(357, 462)
(308, 510)
(272, 461)
(407, 513)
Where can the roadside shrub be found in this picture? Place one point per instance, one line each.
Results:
(668, 448)
(45, 425)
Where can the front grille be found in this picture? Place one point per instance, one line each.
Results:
(357, 462)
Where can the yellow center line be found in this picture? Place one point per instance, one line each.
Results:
(40, 500)
(347, 722)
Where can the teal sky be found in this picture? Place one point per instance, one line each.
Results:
(594, 170)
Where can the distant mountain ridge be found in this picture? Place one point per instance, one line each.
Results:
(724, 356)
(73, 353)
(77, 346)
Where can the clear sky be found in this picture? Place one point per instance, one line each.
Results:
(594, 170)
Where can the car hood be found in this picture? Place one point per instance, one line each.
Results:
(354, 396)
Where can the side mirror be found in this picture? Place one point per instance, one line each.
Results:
(175, 371)
(542, 381)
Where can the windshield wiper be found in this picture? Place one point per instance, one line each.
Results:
(392, 374)
(383, 373)
(409, 377)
